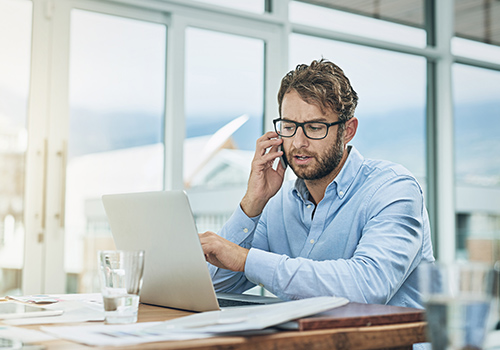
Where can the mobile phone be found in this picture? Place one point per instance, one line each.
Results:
(283, 161)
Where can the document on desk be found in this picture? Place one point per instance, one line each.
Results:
(75, 307)
(202, 325)
(23, 334)
(252, 317)
(118, 335)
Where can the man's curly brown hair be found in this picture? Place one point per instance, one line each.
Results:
(323, 84)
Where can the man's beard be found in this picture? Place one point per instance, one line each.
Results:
(327, 163)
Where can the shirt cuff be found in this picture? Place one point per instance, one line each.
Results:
(239, 228)
(260, 267)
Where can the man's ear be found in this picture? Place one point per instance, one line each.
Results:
(351, 126)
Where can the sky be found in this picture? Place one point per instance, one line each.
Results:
(224, 74)
(116, 63)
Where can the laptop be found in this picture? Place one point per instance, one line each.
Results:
(175, 271)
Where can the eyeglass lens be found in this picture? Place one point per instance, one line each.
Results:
(311, 129)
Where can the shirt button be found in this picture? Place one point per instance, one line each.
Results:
(245, 230)
(308, 206)
(341, 193)
(311, 241)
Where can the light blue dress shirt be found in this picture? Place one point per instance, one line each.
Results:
(364, 242)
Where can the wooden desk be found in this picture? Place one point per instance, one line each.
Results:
(399, 335)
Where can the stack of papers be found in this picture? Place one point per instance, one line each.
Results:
(202, 325)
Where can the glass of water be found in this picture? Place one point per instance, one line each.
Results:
(121, 282)
(458, 298)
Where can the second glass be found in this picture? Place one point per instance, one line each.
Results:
(458, 299)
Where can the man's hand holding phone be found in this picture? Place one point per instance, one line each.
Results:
(264, 181)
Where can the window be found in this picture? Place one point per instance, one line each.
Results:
(391, 89)
(224, 114)
(477, 165)
(117, 88)
(15, 46)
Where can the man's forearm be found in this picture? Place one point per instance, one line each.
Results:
(252, 207)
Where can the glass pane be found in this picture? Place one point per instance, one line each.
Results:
(349, 23)
(117, 88)
(477, 165)
(392, 98)
(15, 46)
(258, 6)
(224, 114)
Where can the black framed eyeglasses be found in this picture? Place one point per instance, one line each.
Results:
(312, 130)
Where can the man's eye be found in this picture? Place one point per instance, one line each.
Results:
(315, 127)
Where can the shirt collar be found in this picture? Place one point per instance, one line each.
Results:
(347, 174)
(342, 181)
(300, 190)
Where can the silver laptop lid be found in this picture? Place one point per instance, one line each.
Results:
(162, 224)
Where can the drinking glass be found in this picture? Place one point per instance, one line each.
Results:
(121, 282)
(457, 298)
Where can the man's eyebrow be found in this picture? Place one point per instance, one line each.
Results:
(322, 120)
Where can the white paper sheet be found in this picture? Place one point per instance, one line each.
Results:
(83, 297)
(33, 299)
(24, 335)
(202, 325)
(118, 335)
(76, 307)
(252, 317)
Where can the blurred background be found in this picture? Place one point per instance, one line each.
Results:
(110, 96)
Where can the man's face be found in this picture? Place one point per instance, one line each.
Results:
(310, 159)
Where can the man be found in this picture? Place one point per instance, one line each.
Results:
(348, 226)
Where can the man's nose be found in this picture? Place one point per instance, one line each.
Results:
(300, 139)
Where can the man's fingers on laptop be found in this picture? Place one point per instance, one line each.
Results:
(223, 253)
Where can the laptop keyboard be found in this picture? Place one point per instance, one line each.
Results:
(230, 302)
